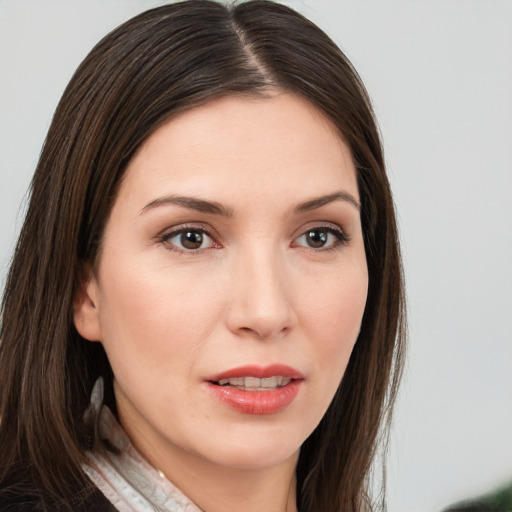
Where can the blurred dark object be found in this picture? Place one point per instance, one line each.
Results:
(498, 501)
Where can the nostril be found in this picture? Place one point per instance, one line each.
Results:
(253, 331)
(263, 332)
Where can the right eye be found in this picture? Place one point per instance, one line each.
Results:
(188, 240)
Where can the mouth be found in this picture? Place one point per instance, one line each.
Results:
(254, 383)
(257, 390)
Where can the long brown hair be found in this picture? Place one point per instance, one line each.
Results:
(160, 63)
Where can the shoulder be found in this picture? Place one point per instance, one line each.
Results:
(9, 503)
(16, 501)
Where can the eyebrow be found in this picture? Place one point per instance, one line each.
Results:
(191, 203)
(215, 208)
(318, 202)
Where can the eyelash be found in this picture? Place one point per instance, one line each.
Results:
(341, 238)
(167, 236)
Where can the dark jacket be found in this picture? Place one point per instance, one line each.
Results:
(12, 501)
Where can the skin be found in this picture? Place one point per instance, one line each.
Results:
(257, 291)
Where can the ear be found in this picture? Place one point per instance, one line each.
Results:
(85, 307)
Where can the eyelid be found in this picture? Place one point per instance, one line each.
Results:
(342, 238)
(168, 233)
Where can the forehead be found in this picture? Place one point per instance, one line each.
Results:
(243, 145)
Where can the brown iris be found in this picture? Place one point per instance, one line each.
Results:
(317, 238)
(191, 239)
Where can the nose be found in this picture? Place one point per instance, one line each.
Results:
(261, 296)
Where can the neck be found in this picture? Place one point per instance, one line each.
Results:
(215, 488)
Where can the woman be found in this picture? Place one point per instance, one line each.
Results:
(213, 317)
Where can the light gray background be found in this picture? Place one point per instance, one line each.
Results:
(440, 75)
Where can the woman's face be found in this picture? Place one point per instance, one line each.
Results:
(233, 253)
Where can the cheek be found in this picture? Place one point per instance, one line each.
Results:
(152, 317)
(332, 316)
(335, 313)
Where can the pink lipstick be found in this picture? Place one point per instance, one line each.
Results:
(256, 389)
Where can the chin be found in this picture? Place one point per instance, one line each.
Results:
(255, 460)
(257, 451)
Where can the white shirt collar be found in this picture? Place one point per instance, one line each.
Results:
(129, 482)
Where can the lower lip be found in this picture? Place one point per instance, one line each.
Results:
(256, 402)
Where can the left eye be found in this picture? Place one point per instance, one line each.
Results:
(189, 239)
(321, 238)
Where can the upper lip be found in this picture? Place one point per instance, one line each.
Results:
(261, 372)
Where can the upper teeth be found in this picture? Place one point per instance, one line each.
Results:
(254, 384)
